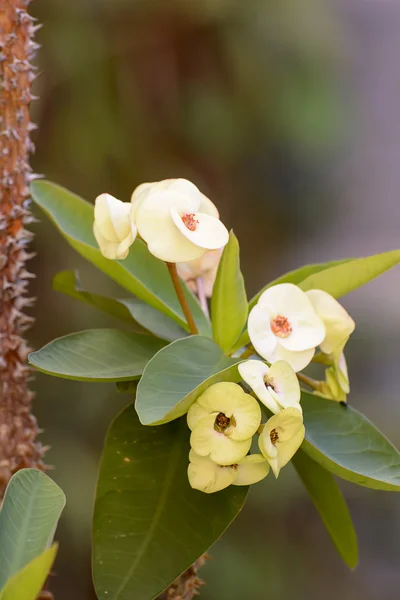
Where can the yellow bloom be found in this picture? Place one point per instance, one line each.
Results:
(336, 386)
(223, 420)
(281, 437)
(207, 476)
(113, 226)
(283, 325)
(178, 223)
(276, 386)
(338, 323)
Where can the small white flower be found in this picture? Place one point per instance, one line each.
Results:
(281, 437)
(223, 420)
(206, 476)
(283, 325)
(338, 323)
(205, 268)
(177, 221)
(113, 226)
(277, 386)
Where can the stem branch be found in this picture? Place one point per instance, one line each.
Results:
(181, 297)
(312, 383)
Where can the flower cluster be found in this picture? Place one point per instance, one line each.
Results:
(285, 328)
(177, 221)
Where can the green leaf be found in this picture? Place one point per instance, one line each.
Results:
(29, 515)
(140, 273)
(29, 581)
(329, 502)
(344, 442)
(177, 375)
(130, 310)
(229, 307)
(97, 355)
(149, 524)
(340, 279)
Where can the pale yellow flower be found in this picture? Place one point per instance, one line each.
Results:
(338, 323)
(209, 477)
(223, 420)
(276, 386)
(113, 226)
(283, 325)
(177, 221)
(281, 437)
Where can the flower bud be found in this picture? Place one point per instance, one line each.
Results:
(113, 227)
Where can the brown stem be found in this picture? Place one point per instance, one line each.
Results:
(312, 383)
(181, 297)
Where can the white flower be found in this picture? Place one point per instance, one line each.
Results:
(338, 323)
(283, 325)
(281, 437)
(223, 420)
(113, 226)
(206, 476)
(178, 223)
(277, 386)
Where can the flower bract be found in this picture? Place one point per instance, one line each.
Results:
(223, 420)
(281, 437)
(209, 477)
(276, 386)
(283, 325)
(177, 221)
(113, 226)
(338, 323)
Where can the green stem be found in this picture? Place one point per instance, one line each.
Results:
(312, 383)
(181, 297)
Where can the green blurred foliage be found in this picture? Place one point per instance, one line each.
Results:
(244, 99)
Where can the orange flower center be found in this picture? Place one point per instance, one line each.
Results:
(190, 221)
(281, 327)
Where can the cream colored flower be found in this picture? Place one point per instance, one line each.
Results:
(283, 325)
(205, 268)
(338, 323)
(223, 420)
(178, 223)
(281, 437)
(277, 386)
(206, 476)
(113, 226)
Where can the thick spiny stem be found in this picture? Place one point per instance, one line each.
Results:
(18, 427)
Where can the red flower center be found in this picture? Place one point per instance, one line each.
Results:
(281, 327)
(190, 221)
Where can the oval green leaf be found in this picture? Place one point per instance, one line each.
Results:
(149, 524)
(130, 310)
(331, 506)
(229, 307)
(340, 279)
(28, 518)
(178, 374)
(140, 273)
(97, 355)
(29, 581)
(347, 444)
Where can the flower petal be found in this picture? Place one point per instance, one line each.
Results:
(285, 383)
(253, 373)
(260, 333)
(206, 476)
(209, 232)
(338, 323)
(113, 227)
(247, 414)
(297, 360)
(220, 397)
(289, 428)
(206, 441)
(251, 469)
(156, 227)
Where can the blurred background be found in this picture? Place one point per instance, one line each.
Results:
(286, 114)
